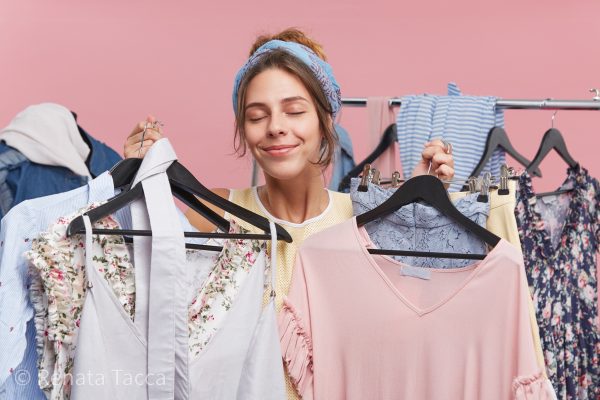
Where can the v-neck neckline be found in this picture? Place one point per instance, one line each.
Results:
(364, 241)
(549, 250)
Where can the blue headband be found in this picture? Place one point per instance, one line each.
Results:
(319, 68)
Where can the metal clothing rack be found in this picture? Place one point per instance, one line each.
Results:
(512, 104)
(507, 104)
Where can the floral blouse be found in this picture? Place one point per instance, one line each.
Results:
(57, 266)
(57, 292)
(560, 237)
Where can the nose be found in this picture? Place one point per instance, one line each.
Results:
(277, 126)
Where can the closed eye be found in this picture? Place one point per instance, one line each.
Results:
(256, 119)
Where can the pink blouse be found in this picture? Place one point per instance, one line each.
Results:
(360, 326)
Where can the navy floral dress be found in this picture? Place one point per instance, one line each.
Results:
(559, 236)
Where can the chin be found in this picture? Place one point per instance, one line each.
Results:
(284, 172)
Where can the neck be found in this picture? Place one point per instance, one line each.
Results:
(295, 200)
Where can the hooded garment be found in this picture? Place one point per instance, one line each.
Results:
(47, 134)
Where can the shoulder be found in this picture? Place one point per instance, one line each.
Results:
(222, 192)
(342, 203)
(199, 221)
(339, 196)
(237, 194)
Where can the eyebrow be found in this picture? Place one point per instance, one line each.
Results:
(292, 99)
(286, 100)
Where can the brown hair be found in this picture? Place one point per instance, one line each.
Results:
(290, 35)
(285, 61)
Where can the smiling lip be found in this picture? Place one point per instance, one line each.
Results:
(280, 150)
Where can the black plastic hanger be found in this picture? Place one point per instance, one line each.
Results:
(180, 178)
(193, 246)
(552, 139)
(389, 137)
(430, 189)
(125, 171)
(497, 138)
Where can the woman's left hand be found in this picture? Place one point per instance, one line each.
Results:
(438, 154)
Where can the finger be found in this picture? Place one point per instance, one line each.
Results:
(442, 158)
(142, 152)
(137, 152)
(132, 150)
(139, 127)
(148, 142)
(151, 134)
(431, 150)
(435, 142)
(445, 172)
(446, 146)
(154, 123)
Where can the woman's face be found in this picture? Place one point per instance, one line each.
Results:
(282, 126)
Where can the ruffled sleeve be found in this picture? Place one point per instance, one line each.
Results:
(295, 334)
(533, 387)
(44, 347)
(57, 292)
(296, 348)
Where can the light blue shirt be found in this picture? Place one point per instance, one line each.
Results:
(464, 121)
(18, 375)
(18, 355)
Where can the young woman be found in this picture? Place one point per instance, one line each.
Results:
(285, 98)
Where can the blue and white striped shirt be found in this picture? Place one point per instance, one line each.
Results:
(18, 357)
(464, 121)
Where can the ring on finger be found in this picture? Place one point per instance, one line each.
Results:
(447, 147)
(156, 125)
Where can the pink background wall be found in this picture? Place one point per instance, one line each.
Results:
(113, 62)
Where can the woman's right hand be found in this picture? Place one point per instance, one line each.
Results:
(134, 147)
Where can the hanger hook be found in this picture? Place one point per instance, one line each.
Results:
(553, 116)
(596, 94)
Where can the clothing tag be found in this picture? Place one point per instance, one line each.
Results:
(415, 272)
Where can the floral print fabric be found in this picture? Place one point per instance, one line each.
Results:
(58, 289)
(560, 239)
(57, 265)
(208, 309)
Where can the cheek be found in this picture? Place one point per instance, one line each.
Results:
(251, 137)
(311, 132)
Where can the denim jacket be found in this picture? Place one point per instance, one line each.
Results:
(21, 179)
(343, 160)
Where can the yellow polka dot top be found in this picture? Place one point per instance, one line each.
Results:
(338, 210)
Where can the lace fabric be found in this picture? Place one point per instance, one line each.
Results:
(420, 227)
